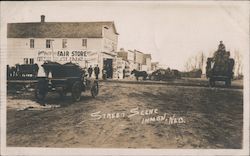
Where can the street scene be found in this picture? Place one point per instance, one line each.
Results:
(153, 76)
(202, 118)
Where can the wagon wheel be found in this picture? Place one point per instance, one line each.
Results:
(211, 82)
(62, 94)
(95, 90)
(40, 92)
(228, 82)
(76, 91)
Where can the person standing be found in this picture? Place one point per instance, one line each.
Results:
(123, 72)
(97, 71)
(104, 74)
(90, 71)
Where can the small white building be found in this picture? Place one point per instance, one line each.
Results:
(84, 43)
(146, 64)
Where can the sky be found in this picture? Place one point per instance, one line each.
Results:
(171, 32)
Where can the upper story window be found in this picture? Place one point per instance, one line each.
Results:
(84, 42)
(64, 43)
(31, 60)
(26, 61)
(32, 43)
(48, 43)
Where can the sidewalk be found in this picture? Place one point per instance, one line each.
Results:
(178, 82)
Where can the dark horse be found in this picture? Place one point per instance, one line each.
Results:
(138, 74)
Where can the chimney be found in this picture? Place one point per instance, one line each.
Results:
(42, 18)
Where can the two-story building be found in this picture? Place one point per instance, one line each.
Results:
(138, 59)
(154, 66)
(146, 64)
(84, 43)
(135, 59)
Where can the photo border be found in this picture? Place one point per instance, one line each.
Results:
(114, 151)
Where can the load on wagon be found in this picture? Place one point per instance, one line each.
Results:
(66, 78)
(220, 66)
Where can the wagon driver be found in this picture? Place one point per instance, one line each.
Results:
(221, 46)
(221, 51)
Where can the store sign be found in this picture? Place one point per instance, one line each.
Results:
(62, 56)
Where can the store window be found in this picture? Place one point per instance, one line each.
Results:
(31, 60)
(84, 42)
(64, 43)
(48, 43)
(32, 43)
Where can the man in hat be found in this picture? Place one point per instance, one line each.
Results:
(221, 46)
(97, 71)
(90, 71)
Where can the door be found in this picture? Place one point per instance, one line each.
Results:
(108, 67)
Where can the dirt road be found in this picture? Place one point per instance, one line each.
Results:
(130, 116)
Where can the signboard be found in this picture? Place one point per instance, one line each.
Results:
(62, 56)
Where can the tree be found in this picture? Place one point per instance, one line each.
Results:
(196, 61)
(202, 58)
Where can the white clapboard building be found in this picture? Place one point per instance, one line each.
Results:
(84, 43)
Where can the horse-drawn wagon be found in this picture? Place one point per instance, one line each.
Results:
(66, 78)
(220, 68)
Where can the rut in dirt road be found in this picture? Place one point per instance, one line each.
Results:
(213, 119)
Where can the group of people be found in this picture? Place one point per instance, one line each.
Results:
(96, 71)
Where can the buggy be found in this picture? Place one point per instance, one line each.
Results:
(66, 78)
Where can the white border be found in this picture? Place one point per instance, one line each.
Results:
(109, 151)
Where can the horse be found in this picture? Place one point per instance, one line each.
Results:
(138, 74)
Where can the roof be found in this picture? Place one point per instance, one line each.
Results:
(138, 51)
(58, 29)
(112, 55)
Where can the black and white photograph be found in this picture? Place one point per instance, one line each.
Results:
(125, 77)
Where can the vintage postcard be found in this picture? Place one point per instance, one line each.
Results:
(125, 78)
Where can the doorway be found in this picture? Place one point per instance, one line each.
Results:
(108, 67)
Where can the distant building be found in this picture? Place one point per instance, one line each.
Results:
(127, 56)
(138, 59)
(146, 64)
(84, 43)
(135, 59)
(163, 66)
(154, 66)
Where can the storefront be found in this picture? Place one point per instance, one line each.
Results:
(84, 43)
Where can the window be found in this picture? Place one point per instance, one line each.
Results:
(64, 43)
(48, 43)
(32, 43)
(31, 60)
(26, 61)
(84, 42)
